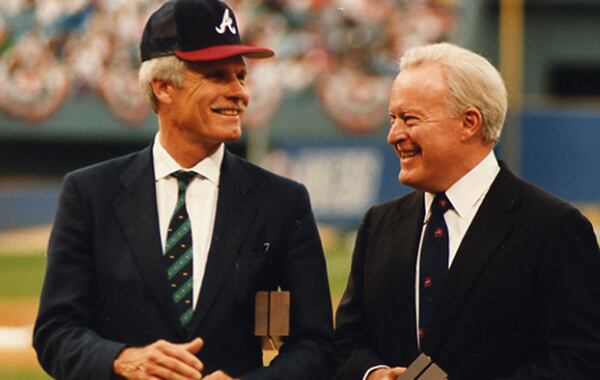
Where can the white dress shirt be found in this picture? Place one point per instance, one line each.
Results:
(466, 196)
(201, 203)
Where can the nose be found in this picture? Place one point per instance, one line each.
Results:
(238, 91)
(397, 132)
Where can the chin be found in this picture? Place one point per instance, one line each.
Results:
(411, 181)
(234, 136)
(230, 131)
(405, 178)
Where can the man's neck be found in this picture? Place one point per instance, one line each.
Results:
(186, 152)
(463, 166)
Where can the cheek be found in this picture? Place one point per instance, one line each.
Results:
(204, 111)
(434, 150)
(441, 154)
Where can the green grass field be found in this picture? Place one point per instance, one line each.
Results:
(21, 275)
(32, 374)
(338, 266)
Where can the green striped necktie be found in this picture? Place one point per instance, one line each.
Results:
(179, 253)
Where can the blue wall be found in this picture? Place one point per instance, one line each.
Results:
(561, 151)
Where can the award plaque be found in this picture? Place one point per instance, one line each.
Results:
(423, 368)
(272, 317)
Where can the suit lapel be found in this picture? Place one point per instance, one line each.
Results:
(136, 211)
(235, 212)
(405, 233)
(491, 225)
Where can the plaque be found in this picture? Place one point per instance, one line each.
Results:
(423, 368)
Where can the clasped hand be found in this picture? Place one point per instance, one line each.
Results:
(163, 360)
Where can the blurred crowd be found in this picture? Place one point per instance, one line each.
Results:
(344, 50)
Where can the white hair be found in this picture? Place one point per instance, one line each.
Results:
(472, 82)
(169, 69)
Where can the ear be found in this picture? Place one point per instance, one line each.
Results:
(472, 122)
(162, 90)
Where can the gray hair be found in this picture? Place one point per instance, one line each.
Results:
(472, 82)
(169, 69)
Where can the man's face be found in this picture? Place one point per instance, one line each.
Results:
(424, 133)
(209, 106)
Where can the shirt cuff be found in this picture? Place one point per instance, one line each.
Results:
(373, 369)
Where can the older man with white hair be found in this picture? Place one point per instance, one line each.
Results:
(490, 276)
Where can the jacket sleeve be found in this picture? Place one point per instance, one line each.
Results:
(353, 343)
(66, 347)
(568, 300)
(308, 353)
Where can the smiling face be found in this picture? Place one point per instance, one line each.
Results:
(207, 110)
(424, 133)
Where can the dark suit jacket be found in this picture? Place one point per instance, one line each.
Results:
(106, 285)
(521, 300)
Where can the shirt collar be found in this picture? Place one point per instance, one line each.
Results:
(465, 192)
(164, 164)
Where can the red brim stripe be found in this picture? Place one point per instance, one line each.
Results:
(224, 51)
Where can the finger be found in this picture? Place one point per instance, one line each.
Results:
(177, 352)
(378, 374)
(393, 373)
(194, 346)
(218, 375)
(147, 377)
(398, 370)
(388, 375)
(158, 369)
(176, 366)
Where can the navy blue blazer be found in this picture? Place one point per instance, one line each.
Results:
(521, 300)
(106, 286)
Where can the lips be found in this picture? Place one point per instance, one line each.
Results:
(409, 154)
(406, 152)
(228, 111)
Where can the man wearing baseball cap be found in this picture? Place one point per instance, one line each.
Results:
(155, 258)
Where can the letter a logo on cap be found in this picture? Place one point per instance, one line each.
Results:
(227, 23)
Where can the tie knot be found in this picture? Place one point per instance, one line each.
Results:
(440, 204)
(183, 178)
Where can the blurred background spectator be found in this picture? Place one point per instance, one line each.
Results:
(89, 47)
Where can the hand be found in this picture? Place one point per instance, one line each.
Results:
(219, 375)
(386, 373)
(160, 360)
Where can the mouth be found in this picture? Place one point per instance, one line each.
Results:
(228, 111)
(407, 152)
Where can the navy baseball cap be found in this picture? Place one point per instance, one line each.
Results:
(195, 30)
